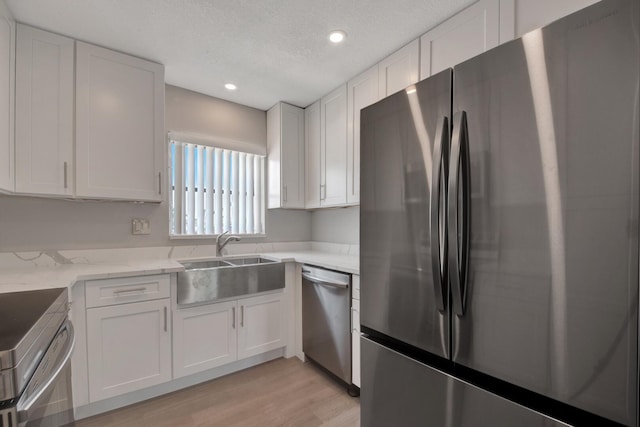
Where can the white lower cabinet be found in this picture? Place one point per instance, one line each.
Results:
(204, 338)
(213, 335)
(129, 339)
(355, 342)
(355, 331)
(261, 325)
(128, 347)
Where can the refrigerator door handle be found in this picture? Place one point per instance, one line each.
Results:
(458, 234)
(438, 263)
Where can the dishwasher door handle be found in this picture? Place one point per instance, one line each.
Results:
(320, 281)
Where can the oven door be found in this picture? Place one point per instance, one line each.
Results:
(47, 399)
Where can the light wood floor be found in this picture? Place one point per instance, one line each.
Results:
(283, 392)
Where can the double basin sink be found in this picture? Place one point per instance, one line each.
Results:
(207, 281)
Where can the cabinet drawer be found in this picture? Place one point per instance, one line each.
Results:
(100, 293)
(355, 292)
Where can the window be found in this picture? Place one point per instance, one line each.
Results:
(214, 190)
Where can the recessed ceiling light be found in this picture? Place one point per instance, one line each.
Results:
(230, 86)
(337, 36)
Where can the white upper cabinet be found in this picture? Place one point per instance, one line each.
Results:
(467, 34)
(312, 155)
(400, 69)
(333, 148)
(120, 143)
(285, 153)
(44, 112)
(362, 91)
(7, 74)
(530, 15)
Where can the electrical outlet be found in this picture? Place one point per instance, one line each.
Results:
(140, 226)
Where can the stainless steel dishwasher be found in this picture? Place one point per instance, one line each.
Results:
(326, 320)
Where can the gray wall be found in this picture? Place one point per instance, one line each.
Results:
(340, 225)
(29, 223)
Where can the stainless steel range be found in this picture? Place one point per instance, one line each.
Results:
(36, 341)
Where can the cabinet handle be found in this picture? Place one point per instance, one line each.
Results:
(242, 316)
(353, 325)
(127, 291)
(284, 191)
(323, 191)
(65, 174)
(233, 317)
(165, 319)
(159, 182)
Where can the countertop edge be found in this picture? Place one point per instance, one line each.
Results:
(64, 276)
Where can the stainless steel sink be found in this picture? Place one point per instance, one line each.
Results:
(245, 261)
(199, 265)
(205, 281)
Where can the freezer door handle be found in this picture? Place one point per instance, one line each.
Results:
(438, 246)
(459, 209)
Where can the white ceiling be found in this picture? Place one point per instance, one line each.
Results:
(273, 50)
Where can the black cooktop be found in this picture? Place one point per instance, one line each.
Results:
(20, 311)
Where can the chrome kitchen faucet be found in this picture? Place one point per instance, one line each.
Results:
(222, 241)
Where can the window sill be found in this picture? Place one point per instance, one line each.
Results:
(209, 236)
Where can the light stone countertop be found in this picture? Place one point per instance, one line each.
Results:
(340, 262)
(55, 275)
(65, 275)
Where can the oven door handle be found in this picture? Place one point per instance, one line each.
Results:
(25, 407)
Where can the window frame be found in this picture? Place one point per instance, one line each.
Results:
(215, 144)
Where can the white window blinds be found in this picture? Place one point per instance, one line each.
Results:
(215, 190)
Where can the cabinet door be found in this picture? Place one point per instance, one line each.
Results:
(119, 125)
(285, 148)
(467, 34)
(44, 112)
(530, 15)
(292, 129)
(362, 91)
(333, 148)
(7, 74)
(312, 155)
(129, 347)
(274, 158)
(399, 70)
(204, 337)
(355, 342)
(261, 325)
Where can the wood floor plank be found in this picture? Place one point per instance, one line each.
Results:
(280, 393)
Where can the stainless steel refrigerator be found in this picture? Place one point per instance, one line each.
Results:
(499, 234)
